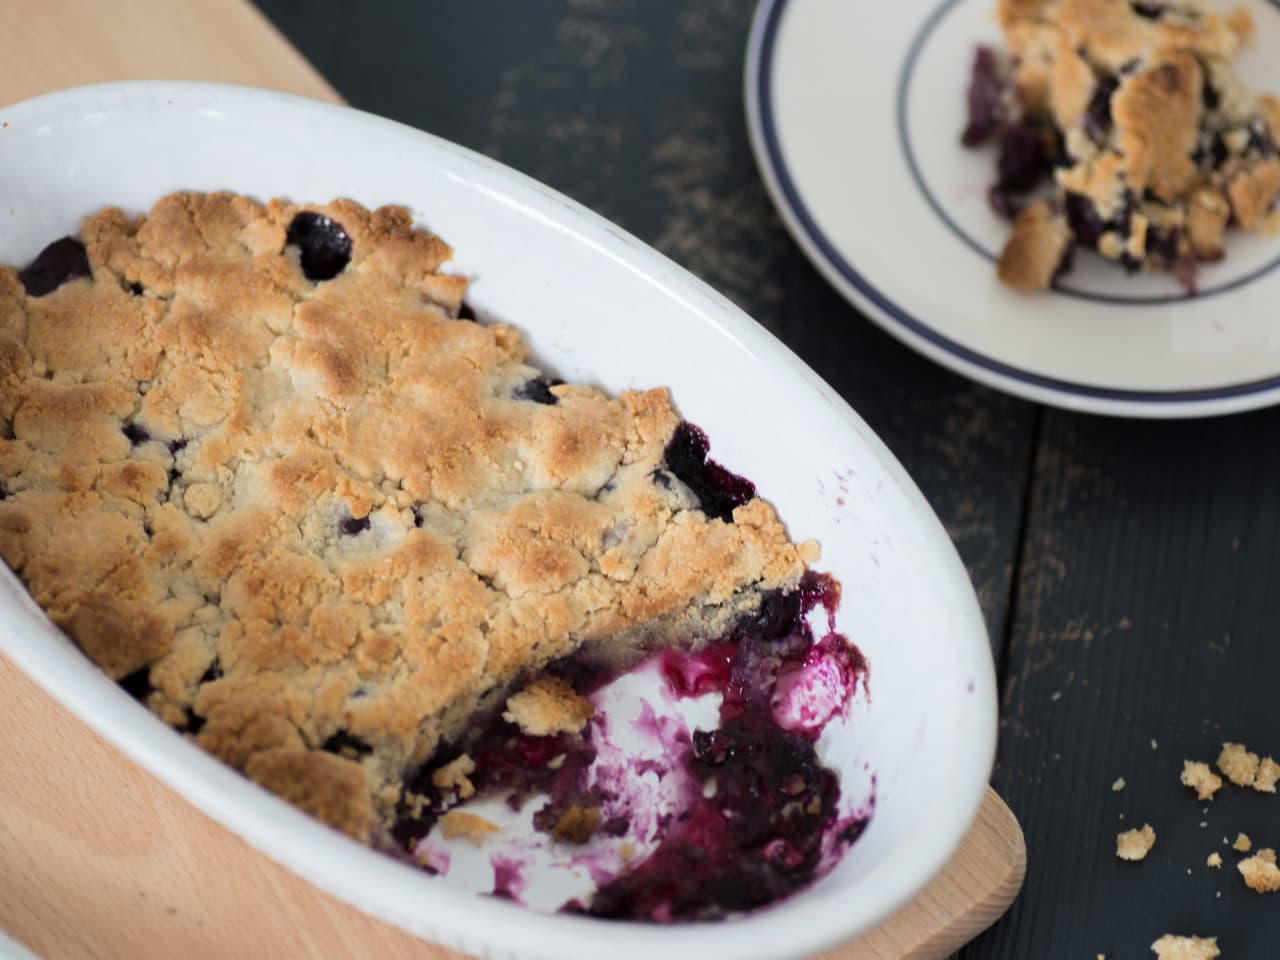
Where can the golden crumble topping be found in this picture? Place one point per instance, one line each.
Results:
(1135, 844)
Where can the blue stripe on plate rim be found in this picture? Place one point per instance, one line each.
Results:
(764, 40)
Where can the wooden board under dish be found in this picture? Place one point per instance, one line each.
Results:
(98, 858)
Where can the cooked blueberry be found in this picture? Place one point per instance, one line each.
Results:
(137, 289)
(465, 312)
(1003, 202)
(718, 491)
(353, 525)
(59, 262)
(212, 673)
(538, 390)
(988, 94)
(1028, 153)
(417, 516)
(136, 433)
(176, 445)
(1130, 263)
(1152, 11)
(1097, 118)
(1164, 243)
(1209, 96)
(325, 247)
(1082, 217)
(138, 684)
(343, 742)
(195, 722)
(778, 615)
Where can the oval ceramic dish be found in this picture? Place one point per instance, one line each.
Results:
(856, 111)
(597, 306)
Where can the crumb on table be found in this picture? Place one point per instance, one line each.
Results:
(1118, 785)
(1170, 947)
(1238, 764)
(1243, 843)
(1260, 872)
(1215, 860)
(1135, 844)
(1201, 779)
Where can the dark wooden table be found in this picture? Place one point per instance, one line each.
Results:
(1129, 571)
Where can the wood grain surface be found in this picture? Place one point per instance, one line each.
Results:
(97, 858)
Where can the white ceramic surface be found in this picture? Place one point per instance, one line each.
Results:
(597, 306)
(856, 111)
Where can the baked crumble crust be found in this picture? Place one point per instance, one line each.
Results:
(1035, 253)
(1242, 843)
(1156, 146)
(326, 525)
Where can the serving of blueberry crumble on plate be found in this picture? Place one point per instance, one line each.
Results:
(263, 466)
(1122, 128)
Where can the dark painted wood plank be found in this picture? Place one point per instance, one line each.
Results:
(1147, 612)
(635, 109)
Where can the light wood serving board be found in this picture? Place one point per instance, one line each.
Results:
(98, 858)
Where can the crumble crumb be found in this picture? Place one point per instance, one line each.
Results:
(1170, 947)
(1200, 778)
(1135, 844)
(454, 776)
(1243, 843)
(577, 826)
(1118, 785)
(548, 706)
(1238, 764)
(1154, 745)
(1260, 871)
(1240, 21)
(1267, 777)
(1215, 860)
(459, 824)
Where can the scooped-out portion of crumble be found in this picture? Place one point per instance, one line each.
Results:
(1122, 128)
(264, 467)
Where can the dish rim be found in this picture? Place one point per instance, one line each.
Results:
(324, 857)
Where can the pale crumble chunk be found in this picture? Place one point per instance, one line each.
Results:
(1201, 779)
(1243, 843)
(1135, 844)
(1268, 776)
(458, 824)
(1215, 860)
(1238, 764)
(454, 775)
(548, 706)
(1170, 947)
(1260, 872)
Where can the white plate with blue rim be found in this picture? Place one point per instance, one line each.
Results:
(856, 112)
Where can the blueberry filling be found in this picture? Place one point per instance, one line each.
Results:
(58, 263)
(1097, 117)
(417, 516)
(1028, 153)
(988, 96)
(538, 390)
(136, 433)
(760, 810)
(212, 672)
(137, 289)
(1082, 217)
(176, 445)
(1164, 243)
(718, 491)
(138, 684)
(350, 526)
(195, 722)
(324, 246)
(344, 744)
(465, 312)
(1152, 11)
